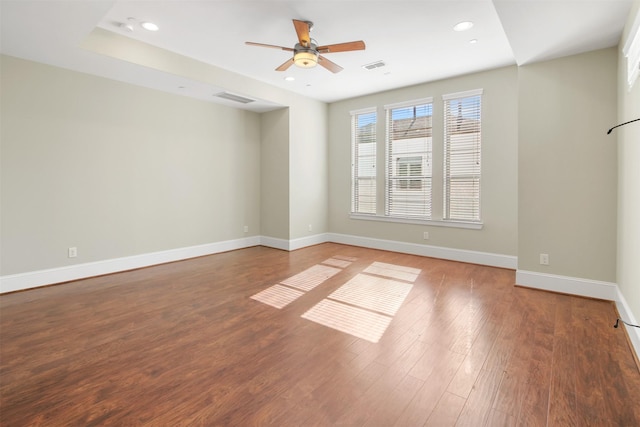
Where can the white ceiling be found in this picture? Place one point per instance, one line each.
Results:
(414, 38)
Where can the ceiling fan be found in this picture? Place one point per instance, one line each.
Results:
(307, 54)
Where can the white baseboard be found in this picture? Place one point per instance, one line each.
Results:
(273, 242)
(17, 282)
(473, 257)
(292, 245)
(303, 242)
(625, 312)
(567, 285)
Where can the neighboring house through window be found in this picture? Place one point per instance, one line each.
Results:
(363, 167)
(409, 165)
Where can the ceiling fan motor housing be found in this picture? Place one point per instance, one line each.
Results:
(305, 57)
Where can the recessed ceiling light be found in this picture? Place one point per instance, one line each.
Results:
(150, 26)
(463, 26)
(473, 41)
(289, 78)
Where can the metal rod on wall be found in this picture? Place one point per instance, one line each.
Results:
(622, 124)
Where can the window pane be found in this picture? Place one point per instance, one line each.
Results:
(363, 140)
(462, 166)
(409, 162)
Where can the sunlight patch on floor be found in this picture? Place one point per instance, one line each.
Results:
(373, 293)
(282, 294)
(351, 320)
(365, 305)
(311, 277)
(394, 271)
(336, 262)
(277, 296)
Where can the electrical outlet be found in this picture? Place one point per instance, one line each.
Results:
(310, 227)
(544, 259)
(246, 228)
(73, 252)
(425, 235)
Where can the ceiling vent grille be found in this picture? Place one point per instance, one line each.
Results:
(374, 65)
(232, 97)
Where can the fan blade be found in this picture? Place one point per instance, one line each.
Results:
(288, 49)
(331, 66)
(342, 47)
(286, 65)
(302, 29)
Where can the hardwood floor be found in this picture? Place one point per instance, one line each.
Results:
(184, 344)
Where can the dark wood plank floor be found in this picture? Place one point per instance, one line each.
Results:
(183, 344)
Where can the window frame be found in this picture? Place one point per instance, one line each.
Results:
(409, 202)
(469, 175)
(437, 161)
(356, 178)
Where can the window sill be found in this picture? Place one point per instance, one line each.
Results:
(430, 222)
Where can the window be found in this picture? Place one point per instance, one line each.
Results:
(408, 166)
(408, 172)
(363, 167)
(462, 149)
(631, 51)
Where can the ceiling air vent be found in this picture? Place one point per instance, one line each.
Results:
(374, 65)
(232, 97)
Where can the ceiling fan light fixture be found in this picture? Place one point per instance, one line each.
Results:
(305, 58)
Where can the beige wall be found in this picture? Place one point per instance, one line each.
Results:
(274, 176)
(307, 150)
(567, 166)
(628, 142)
(499, 165)
(282, 187)
(117, 170)
(294, 172)
(309, 171)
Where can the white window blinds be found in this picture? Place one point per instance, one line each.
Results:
(409, 159)
(462, 154)
(631, 51)
(363, 166)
